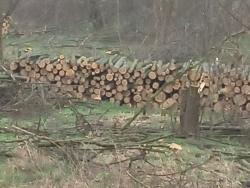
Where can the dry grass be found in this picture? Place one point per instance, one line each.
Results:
(190, 168)
(34, 168)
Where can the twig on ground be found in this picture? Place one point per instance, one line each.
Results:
(136, 180)
(185, 170)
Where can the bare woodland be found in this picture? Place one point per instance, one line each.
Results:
(176, 28)
(178, 71)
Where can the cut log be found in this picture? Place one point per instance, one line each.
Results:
(75, 67)
(177, 85)
(51, 77)
(37, 76)
(23, 72)
(35, 67)
(137, 98)
(119, 88)
(28, 68)
(70, 73)
(226, 81)
(123, 70)
(248, 107)
(43, 79)
(81, 89)
(169, 78)
(237, 90)
(175, 96)
(155, 85)
(126, 100)
(118, 96)
(161, 97)
(49, 67)
(152, 75)
(55, 71)
(43, 72)
(219, 107)
(97, 91)
(42, 63)
(139, 81)
(108, 94)
(172, 66)
(59, 66)
(170, 102)
(139, 88)
(57, 78)
(110, 77)
(61, 73)
(194, 75)
(239, 83)
(239, 99)
(245, 89)
(13, 66)
(66, 81)
(137, 74)
(113, 91)
(205, 91)
(168, 89)
(126, 93)
(68, 88)
(32, 74)
(23, 63)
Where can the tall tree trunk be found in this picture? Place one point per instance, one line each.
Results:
(95, 14)
(1, 42)
(190, 111)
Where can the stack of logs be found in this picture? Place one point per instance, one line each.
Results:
(6, 25)
(118, 79)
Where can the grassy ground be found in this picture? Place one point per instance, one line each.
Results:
(203, 163)
(57, 43)
(89, 43)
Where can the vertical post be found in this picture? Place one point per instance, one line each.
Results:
(190, 111)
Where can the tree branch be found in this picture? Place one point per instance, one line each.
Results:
(234, 16)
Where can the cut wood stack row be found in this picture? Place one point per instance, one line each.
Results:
(5, 25)
(118, 79)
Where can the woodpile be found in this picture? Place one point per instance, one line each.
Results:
(117, 79)
(6, 25)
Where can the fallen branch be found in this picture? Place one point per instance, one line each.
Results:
(185, 170)
(136, 180)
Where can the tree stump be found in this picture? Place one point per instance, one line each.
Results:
(190, 111)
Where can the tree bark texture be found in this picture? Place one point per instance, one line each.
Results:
(190, 110)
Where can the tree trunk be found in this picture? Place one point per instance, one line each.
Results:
(1, 42)
(190, 110)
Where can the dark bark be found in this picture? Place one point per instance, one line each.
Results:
(190, 110)
(95, 15)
